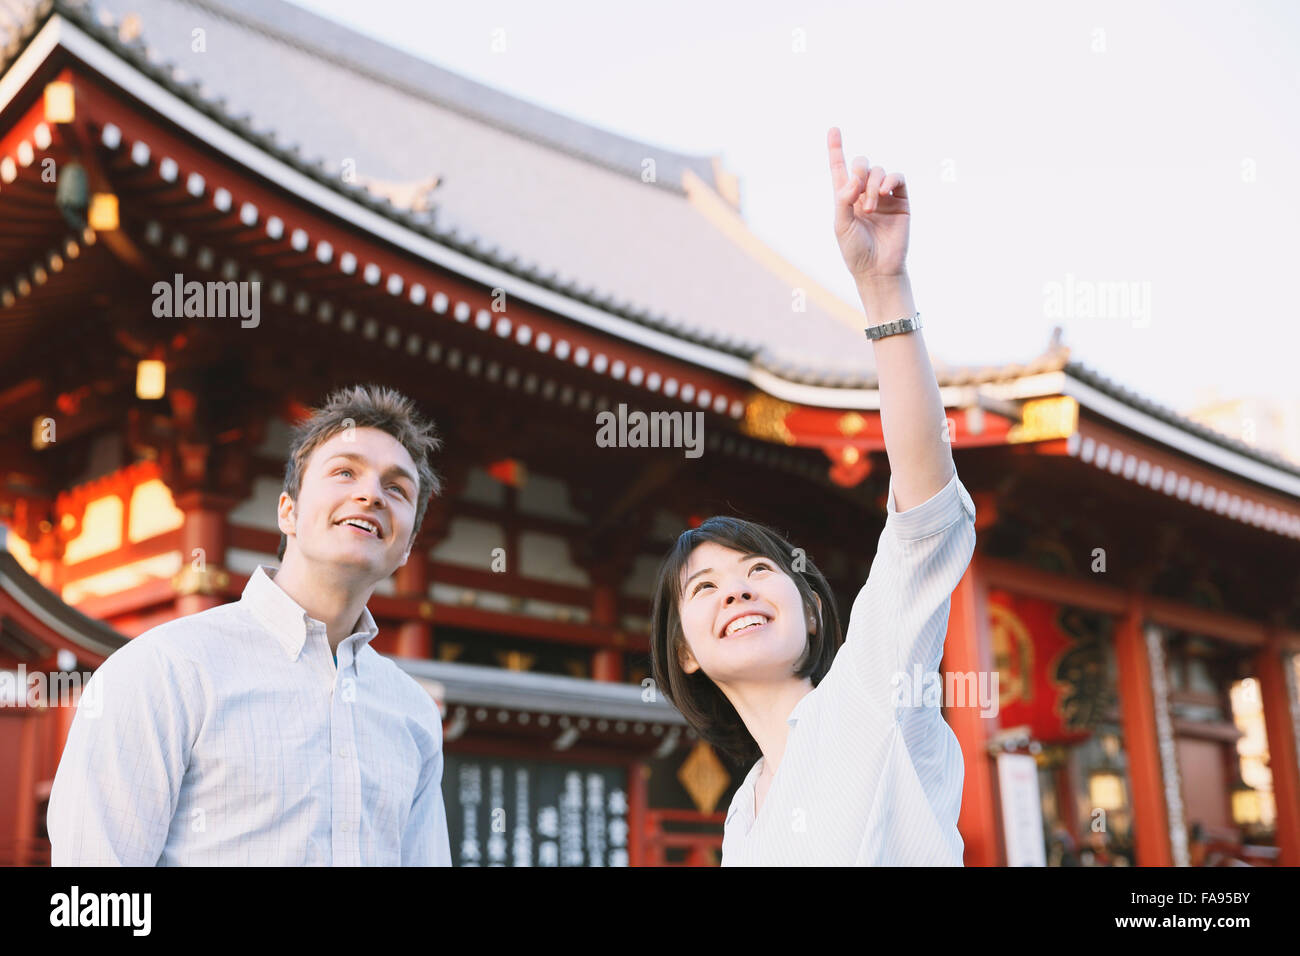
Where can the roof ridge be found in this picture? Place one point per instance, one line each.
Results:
(370, 57)
(1170, 415)
(102, 28)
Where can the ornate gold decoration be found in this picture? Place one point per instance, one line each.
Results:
(449, 650)
(704, 777)
(209, 581)
(1013, 655)
(1042, 419)
(765, 418)
(515, 660)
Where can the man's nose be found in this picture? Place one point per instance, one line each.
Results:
(371, 493)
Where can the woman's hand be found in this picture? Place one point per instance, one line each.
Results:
(872, 216)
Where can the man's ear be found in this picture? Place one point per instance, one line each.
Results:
(284, 513)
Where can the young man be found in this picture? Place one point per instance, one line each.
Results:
(268, 731)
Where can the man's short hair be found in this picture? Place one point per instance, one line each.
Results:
(366, 406)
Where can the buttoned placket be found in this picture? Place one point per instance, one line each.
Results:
(345, 772)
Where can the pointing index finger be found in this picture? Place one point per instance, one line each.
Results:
(839, 175)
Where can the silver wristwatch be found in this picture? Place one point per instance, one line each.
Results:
(909, 324)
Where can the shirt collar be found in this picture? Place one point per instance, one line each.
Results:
(287, 620)
(799, 708)
(744, 800)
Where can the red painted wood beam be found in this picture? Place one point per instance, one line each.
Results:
(1109, 599)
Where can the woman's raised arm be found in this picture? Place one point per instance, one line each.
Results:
(872, 220)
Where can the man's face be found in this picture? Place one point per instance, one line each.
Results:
(356, 504)
(724, 587)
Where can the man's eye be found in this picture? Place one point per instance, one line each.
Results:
(342, 470)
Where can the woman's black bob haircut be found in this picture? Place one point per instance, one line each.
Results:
(695, 696)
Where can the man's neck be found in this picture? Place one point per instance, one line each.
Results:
(764, 708)
(334, 599)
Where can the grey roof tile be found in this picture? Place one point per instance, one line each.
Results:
(302, 84)
(531, 182)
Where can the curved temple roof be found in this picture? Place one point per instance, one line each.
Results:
(35, 620)
(436, 153)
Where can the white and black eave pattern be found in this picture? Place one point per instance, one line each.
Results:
(1181, 486)
(50, 261)
(568, 729)
(416, 294)
(180, 246)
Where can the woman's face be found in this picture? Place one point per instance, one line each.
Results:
(723, 592)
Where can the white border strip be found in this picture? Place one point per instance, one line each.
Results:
(21, 70)
(1189, 444)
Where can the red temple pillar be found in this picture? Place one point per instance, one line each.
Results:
(967, 649)
(25, 786)
(415, 638)
(203, 551)
(606, 662)
(1270, 664)
(636, 813)
(1138, 715)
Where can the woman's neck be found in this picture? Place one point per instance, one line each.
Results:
(764, 709)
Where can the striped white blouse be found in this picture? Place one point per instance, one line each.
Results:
(864, 782)
(230, 737)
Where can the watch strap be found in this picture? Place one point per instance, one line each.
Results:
(907, 324)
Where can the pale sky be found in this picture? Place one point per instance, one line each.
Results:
(1146, 147)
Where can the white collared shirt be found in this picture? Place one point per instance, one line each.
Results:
(230, 737)
(864, 781)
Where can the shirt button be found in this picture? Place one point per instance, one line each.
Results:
(343, 752)
(344, 828)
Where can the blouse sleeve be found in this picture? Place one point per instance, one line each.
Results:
(877, 688)
(900, 617)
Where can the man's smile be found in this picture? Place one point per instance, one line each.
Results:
(363, 525)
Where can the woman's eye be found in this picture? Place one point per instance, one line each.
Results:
(758, 565)
(700, 585)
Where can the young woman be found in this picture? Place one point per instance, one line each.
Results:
(850, 765)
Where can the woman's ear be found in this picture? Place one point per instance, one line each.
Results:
(814, 618)
(686, 660)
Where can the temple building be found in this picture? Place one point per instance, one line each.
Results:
(216, 213)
